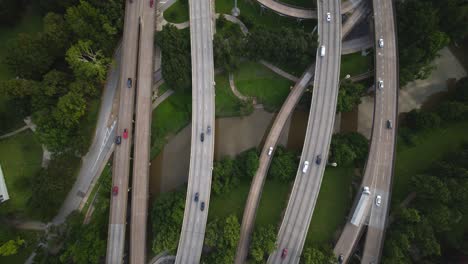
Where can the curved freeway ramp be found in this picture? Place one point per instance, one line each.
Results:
(293, 230)
(303, 13)
(202, 145)
(379, 166)
(121, 164)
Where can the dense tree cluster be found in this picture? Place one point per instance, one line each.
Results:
(167, 216)
(221, 238)
(313, 255)
(228, 45)
(175, 57)
(228, 172)
(348, 148)
(441, 202)
(425, 27)
(349, 96)
(262, 243)
(283, 165)
(284, 46)
(452, 109)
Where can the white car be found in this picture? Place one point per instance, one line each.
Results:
(306, 166)
(270, 150)
(381, 43)
(381, 84)
(378, 200)
(328, 17)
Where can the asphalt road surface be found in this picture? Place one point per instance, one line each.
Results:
(121, 164)
(379, 167)
(203, 115)
(303, 13)
(141, 149)
(386, 70)
(293, 230)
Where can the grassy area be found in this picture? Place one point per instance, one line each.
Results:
(273, 202)
(178, 12)
(332, 206)
(430, 147)
(162, 89)
(88, 124)
(168, 118)
(354, 64)
(105, 173)
(20, 158)
(229, 203)
(227, 104)
(255, 80)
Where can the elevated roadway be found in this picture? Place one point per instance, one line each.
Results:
(387, 71)
(253, 199)
(303, 13)
(141, 150)
(293, 230)
(203, 115)
(379, 167)
(121, 164)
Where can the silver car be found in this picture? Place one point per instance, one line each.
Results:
(378, 200)
(381, 43)
(328, 17)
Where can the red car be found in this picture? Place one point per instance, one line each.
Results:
(284, 253)
(125, 134)
(115, 190)
(151, 3)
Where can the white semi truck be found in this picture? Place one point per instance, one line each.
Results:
(361, 206)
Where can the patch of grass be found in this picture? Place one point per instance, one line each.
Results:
(88, 125)
(255, 80)
(105, 173)
(178, 12)
(229, 203)
(354, 64)
(20, 158)
(273, 202)
(227, 104)
(430, 147)
(332, 206)
(162, 89)
(168, 118)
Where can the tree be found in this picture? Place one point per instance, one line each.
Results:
(56, 34)
(452, 111)
(175, 58)
(247, 164)
(58, 6)
(431, 188)
(263, 243)
(222, 237)
(453, 16)
(419, 39)
(11, 247)
(70, 109)
(349, 96)
(284, 165)
(313, 255)
(27, 56)
(347, 148)
(461, 89)
(422, 120)
(223, 176)
(87, 63)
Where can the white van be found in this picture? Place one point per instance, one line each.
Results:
(306, 166)
(322, 51)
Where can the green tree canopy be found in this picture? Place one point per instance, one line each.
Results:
(263, 243)
(283, 165)
(349, 96)
(87, 63)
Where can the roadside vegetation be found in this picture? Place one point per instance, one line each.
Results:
(441, 21)
(431, 166)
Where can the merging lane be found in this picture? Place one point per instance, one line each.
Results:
(293, 230)
(121, 164)
(140, 176)
(202, 146)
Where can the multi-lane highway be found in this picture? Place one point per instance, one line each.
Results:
(121, 164)
(303, 13)
(387, 71)
(202, 142)
(379, 167)
(140, 176)
(293, 230)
